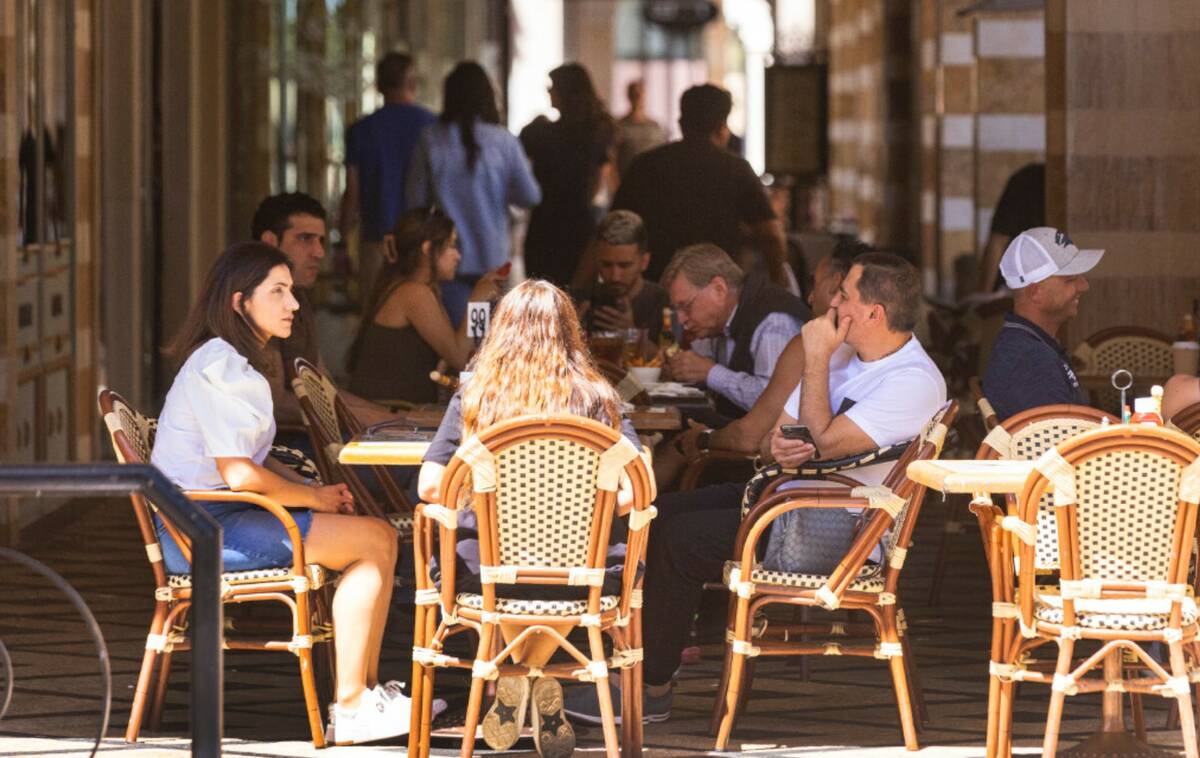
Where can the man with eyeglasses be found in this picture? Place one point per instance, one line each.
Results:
(741, 325)
(866, 383)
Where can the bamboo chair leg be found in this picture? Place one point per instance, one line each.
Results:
(1007, 696)
(627, 688)
(325, 617)
(747, 686)
(718, 712)
(160, 689)
(993, 717)
(737, 666)
(1139, 716)
(888, 631)
(604, 694)
(137, 710)
(475, 701)
(916, 691)
(420, 640)
(635, 710)
(1187, 722)
(903, 703)
(1057, 700)
(311, 704)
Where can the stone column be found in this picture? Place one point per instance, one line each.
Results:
(1123, 157)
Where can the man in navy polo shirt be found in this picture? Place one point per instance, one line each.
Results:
(1028, 367)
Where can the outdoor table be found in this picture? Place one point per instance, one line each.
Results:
(982, 479)
(361, 451)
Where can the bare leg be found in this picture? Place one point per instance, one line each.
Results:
(364, 550)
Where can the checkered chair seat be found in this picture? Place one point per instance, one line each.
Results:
(317, 576)
(870, 578)
(401, 522)
(1052, 613)
(537, 607)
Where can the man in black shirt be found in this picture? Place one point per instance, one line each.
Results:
(1022, 205)
(621, 297)
(1028, 367)
(694, 190)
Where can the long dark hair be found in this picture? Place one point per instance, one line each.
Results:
(241, 267)
(467, 97)
(413, 229)
(578, 101)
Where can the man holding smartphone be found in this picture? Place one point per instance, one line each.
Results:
(867, 383)
(622, 298)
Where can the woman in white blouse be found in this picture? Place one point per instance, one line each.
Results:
(215, 432)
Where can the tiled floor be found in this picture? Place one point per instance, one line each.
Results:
(845, 708)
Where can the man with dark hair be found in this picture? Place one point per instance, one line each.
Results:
(741, 323)
(295, 223)
(867, 383)
(378, 148)
(694, 190)
(829, 272)
(620, 297)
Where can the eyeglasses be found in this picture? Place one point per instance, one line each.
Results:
(686, 308)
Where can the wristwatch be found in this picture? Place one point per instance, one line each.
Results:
(704, 439)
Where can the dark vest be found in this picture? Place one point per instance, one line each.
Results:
(759, 298)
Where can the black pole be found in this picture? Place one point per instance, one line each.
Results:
(205, 535)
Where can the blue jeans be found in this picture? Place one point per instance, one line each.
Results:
(253, 538)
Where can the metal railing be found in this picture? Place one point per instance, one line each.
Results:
(207, 619)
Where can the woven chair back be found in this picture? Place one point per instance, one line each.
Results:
(543, 489)
(1143, 352)
(319, 402)
(329, 421)
(132, 438)
(1028, 435)
(1117, 495)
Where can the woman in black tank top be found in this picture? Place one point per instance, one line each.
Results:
(405, 330)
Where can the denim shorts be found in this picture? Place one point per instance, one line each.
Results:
(253, 538)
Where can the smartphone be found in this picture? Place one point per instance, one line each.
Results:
(799, 432)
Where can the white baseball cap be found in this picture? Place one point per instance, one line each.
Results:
(1042, 252)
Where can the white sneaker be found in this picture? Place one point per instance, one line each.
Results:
(395, 689)
(376, 718)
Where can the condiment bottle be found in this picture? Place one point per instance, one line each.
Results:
(1145, 411)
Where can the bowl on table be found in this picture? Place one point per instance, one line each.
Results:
(647, 375)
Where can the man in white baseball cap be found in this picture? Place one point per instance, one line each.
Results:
(1028, 367)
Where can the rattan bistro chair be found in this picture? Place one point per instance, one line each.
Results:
(302, 587)
(1025, 436)
(853, 584)
(1143, 352)
(543, 489)
(328, 421)
(1124, 501)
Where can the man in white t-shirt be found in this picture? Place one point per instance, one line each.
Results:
(867, 383)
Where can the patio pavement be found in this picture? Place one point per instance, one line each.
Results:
(844, 708)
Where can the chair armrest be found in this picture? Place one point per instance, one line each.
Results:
(769, 509)
(267, 504)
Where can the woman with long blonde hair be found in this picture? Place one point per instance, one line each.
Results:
(533, 360)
